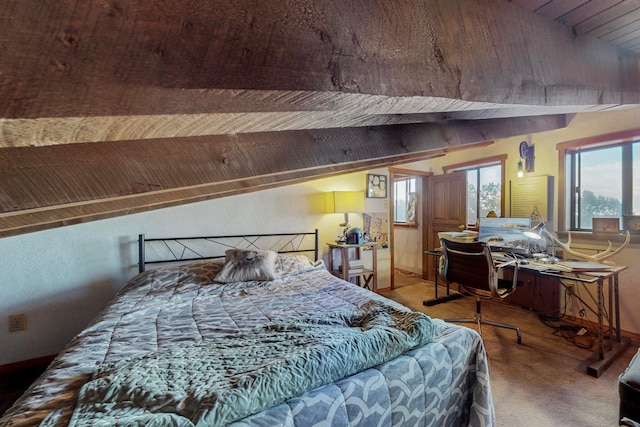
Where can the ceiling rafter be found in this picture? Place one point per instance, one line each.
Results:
(109, 110)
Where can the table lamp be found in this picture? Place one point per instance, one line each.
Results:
(345, 202)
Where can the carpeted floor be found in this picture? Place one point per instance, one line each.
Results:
(543, 381)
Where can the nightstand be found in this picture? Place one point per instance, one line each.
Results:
(351, 255)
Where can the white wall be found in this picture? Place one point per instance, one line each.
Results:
(407, 249)
(62, 278)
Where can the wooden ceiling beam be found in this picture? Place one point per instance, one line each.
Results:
(61, 185)
(108, 108)
(365, 113)
(151, 57)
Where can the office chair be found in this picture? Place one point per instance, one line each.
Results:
(470, 265)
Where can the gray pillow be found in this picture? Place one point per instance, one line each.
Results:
(242, 265)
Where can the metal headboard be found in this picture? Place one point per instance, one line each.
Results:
(188, 249)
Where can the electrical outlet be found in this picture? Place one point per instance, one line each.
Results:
(17, 322)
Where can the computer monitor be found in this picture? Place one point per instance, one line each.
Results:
(505, 234)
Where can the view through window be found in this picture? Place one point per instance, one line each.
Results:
(484, 192)
(403, 187)
(599, 187)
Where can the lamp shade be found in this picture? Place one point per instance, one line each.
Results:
(345, 201)
(535, 232)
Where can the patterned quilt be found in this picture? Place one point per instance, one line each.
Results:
(170, 310)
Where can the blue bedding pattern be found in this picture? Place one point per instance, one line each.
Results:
(443, 382)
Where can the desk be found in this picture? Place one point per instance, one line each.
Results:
(369, 275)
(449, 296)
(607, 312)
(605, 354)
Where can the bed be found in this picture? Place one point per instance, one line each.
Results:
(261, 335)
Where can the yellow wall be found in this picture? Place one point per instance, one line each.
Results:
(546, 163)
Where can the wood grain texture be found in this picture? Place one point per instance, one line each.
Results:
(74, 183)
(363, 113)
(81, 172)
(78, 58)
(239, 95)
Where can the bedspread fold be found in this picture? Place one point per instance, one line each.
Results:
(218, 381)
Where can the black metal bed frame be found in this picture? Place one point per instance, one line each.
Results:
(189, 249)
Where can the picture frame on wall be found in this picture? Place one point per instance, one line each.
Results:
(412, 203)
(376, 186)
(376, 228)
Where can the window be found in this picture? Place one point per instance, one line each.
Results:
(485, 186)
(403, 188)
(602, 181)
(484, 192)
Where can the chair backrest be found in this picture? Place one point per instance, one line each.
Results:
(469, 265)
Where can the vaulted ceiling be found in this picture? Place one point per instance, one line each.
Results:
(111, 107)
(613, 21)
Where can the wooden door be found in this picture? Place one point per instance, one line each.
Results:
(445, 210)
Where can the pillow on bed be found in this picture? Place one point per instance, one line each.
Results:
(242, 265)
(288, 265)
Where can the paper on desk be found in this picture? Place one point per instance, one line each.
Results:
(538, 266)
(582, 266)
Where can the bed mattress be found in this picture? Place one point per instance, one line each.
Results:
(444, 382)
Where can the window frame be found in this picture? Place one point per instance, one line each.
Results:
(576, 220)
(566, 168)
(477, 164)
(403, 177)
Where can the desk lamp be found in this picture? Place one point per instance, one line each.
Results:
(537, 232)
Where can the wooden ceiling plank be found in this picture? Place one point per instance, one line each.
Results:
(597, 24)
(618, 27)
(558, 8)
(531, 5)
(586, 11)
(623, 35)
(633, 44)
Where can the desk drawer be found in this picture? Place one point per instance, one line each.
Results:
(536, 292)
